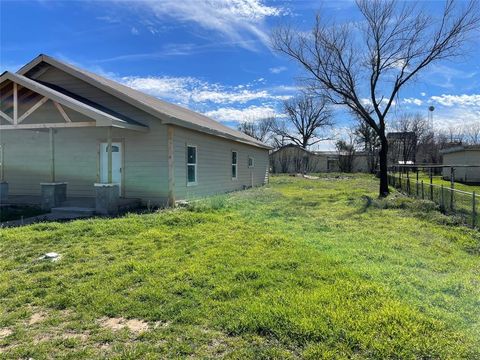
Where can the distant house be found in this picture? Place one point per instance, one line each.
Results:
(463, 155)
(81, 135)
(402, 147)
(294, 159)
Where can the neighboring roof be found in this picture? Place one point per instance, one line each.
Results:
(167, 112)
(460, 148)
(318, 153)
(401, 135)
(88, 109)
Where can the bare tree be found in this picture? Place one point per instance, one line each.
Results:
(455, 134)
(260, 129)
(346, 155)
(472, 133)
(367, 139)
(364, 65)
(306, 117)
(412, 130)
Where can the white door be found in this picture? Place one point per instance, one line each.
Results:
(116, 163)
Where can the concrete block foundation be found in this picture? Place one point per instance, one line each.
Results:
(106, 199)
(53, 194)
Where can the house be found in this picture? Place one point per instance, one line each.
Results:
(402, 147)
(467, 159)
(68, 133)
(294, 159)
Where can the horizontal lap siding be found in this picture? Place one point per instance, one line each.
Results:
(463, 158)
(214, 165)
(146, 168)
(145, 154)
(27, 152)
(27, 160)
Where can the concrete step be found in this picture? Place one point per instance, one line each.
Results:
(72, 212)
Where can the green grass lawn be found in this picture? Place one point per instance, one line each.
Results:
(438, 180)
(296, 269)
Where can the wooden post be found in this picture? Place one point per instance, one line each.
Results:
(423, 191)
(474, 210)
(171, 167)
(109, 148)
(2, 160)
(15, 104)
(51, 134)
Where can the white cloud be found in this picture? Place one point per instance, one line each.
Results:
(250, 113)
(277, 69)
(134, 31)
(367, 101)
(233, 19)
(451, 110)
(458, 117)
(423, 94)
(186, 90)
(414, 101)
(446, 77)
(457, 100)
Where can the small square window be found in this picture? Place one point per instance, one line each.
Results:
(251, 162)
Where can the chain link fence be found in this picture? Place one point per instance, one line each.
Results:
(463, 204)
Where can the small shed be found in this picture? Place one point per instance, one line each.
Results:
(463, 155)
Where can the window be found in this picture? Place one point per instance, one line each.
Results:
(234, 164)
(191, 165)
(115, 148)
(251, 162)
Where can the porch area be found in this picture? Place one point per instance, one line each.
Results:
(37, 169)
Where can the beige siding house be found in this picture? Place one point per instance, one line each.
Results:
(462, 156)
(63, 125)
(293, 159)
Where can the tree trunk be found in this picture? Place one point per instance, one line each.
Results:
(383, 168)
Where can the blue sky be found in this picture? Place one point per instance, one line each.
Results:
(211, 56)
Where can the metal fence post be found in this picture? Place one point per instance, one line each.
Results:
(423, 192)
(452, 186)
(408, 182)
(431, 185)
(474, 210)
(442, 200)
(416, 184)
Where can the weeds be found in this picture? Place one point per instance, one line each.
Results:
(297, 269)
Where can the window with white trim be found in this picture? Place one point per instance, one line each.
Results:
(251, 162)
(191, 165)
(234, 164)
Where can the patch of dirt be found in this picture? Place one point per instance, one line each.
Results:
(104, 346)
(134, 325)
(4, 332)
(37, 317)
(82, 337)
(42, 338)
(161, 324)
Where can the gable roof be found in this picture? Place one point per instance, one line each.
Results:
(100, 115)
(167, 112)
